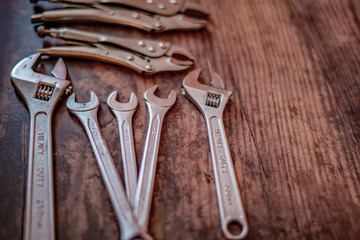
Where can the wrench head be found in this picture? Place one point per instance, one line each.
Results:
(37, 89)
(119, 106)
(75, 106)
(207, 98)
(161, 102)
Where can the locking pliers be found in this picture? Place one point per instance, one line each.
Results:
(143, 56)
(166, 8)
(135, 17)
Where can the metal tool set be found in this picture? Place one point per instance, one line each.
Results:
(131, 200)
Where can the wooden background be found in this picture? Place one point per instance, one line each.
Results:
(292, 125)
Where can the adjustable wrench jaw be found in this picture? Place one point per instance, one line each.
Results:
(40, 92)
(211, 101)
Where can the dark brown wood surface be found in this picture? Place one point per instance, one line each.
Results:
(293, 125)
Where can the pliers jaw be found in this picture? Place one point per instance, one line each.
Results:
(194, 10)
(181, 22)
(164, 65)
(174, 60)
(178, 59)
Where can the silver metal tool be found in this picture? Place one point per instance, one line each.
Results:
(143, 56)
(87, 114)
(123, 113)
(41, 94)
(157, 110)
(163, 7)
(99, 13)
(211, 101)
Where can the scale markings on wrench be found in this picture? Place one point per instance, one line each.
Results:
(41, 93)
(211, 101)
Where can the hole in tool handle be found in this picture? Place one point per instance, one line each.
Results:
(235, 229)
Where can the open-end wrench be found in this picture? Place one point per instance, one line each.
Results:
(87, 114)
(123, 113)
(41, 94)
(157, 110)
(212, 101)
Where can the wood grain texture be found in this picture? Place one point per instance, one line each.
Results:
(292, 125)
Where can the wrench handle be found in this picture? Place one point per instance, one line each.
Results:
(39, 205)
(147, 171)
(232, 212)
(112, 180)
(127, 153)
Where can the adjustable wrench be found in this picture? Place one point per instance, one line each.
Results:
(87, 114)
(211, 102)
(123, 113)
(157, 110)
(41, 94)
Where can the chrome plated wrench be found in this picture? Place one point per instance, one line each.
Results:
(211, 101)
(87, 114)
(123, 113)
(157, 110)
(41, 94)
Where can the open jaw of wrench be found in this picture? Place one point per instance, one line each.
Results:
(123, 113)
(211, 101)
(87, 114)
(41, 94)
(157, 109)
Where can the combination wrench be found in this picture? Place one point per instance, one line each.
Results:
(87, 114)
(41, 94)
(157, 109)
(211, 101)
(123, 113)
